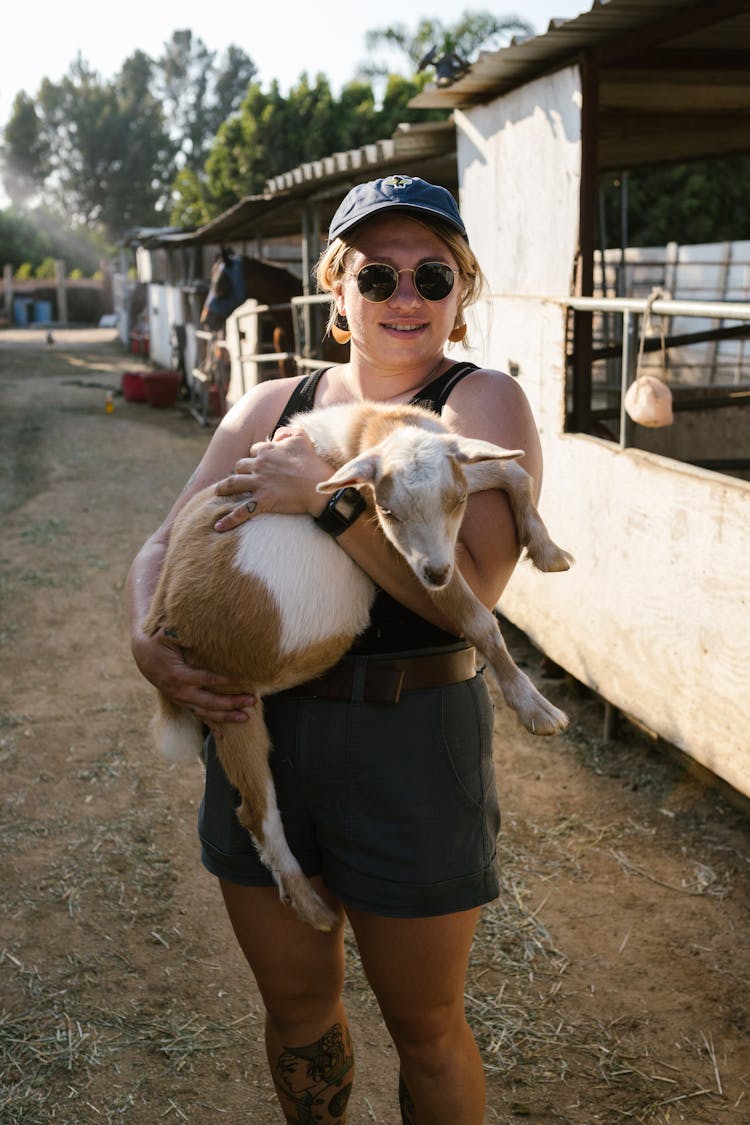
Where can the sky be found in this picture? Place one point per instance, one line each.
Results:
(283, 38)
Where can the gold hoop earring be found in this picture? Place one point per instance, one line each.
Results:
(340, 330)
(458, 333)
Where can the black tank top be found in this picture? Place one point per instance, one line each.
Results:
(393, 627)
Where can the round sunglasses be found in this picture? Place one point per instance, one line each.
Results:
(377, 281)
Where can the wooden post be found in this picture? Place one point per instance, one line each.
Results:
(62, 295)
(583, 323)
(8, 292)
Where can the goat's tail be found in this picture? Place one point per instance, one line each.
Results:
(176, 731)
(243, 751)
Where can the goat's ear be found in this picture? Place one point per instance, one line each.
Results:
(355, 473)
(468, 450)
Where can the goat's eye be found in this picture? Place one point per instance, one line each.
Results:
(460, 502)
(389, 515)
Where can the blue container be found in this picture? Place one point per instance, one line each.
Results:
(22, 307)
(42, 312)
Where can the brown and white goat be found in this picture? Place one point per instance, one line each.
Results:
(276, 602)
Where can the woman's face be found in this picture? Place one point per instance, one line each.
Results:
(405, 328)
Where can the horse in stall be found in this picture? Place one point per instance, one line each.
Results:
(235, 279)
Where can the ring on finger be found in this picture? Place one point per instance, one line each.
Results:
(251, 505)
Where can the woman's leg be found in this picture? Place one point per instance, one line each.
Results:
(417, 969)
(300, 974)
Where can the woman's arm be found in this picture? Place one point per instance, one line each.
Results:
(490, 406)
(282, 476)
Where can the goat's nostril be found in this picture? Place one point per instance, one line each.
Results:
(436, 575)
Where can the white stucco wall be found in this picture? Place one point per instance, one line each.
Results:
(519, 174)
(654, 615)
(519, 170)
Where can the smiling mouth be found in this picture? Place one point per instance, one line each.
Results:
(404, 327)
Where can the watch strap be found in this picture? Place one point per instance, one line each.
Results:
(344, 507)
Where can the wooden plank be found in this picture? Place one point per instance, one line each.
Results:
(655, 614)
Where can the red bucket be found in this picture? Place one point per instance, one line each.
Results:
(134, 386)
(162, 387)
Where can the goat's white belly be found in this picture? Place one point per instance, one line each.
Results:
(320, 592)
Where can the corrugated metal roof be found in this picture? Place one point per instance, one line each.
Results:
(427, 149)
(722, 25)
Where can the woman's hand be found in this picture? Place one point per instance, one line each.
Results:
(277, 476)
(208, 695)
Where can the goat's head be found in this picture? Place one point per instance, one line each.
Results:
(419, 492)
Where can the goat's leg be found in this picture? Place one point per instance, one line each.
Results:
(243, 749)
(478, 625)
(530, 528)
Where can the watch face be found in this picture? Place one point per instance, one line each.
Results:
(348, 503)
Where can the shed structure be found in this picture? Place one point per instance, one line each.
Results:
(655, 615)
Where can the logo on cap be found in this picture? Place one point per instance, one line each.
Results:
(398, 181)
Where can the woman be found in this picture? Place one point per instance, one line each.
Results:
(391, 809)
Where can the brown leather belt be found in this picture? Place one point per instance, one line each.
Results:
(382, 681)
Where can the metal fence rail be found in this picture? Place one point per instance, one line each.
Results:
(633, 310)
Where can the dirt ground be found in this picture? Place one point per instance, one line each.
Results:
(610, 983)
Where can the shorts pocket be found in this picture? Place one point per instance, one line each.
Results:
(467, 739)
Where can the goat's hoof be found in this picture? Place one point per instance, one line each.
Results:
(543, 718)
(548, 557)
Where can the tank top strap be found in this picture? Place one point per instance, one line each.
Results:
(302, 398)
(435, 395)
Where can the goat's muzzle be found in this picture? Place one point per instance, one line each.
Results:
(436, 576)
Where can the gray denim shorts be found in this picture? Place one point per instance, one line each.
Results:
(394, 805)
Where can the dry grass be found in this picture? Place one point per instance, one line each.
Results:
(59, 1041)
(50, 1051)
(529, 1040)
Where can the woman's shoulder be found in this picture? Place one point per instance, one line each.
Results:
(486, 388)
(487, 380)
(260, 408)
(491, 404)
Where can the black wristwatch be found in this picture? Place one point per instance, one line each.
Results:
(344, 507)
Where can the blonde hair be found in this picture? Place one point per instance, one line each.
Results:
(331, 267)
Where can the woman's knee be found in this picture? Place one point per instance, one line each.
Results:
(299, 971)
(429, 1040)
(297, 1001)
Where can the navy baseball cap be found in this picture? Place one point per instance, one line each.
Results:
(404, 193)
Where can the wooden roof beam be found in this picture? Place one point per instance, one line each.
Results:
(666, 29)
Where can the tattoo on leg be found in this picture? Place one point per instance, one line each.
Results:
(406, 1103)
(314, 1082)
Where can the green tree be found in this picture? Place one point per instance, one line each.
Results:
(106, 153)
(271, 134)
(103, 156)
(31, 235)
(46, 269)
(26, 151)
(191, 205)
(703, 201)
(201, 90)
(472, 32)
